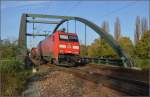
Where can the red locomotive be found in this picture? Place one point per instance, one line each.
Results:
(59, 48)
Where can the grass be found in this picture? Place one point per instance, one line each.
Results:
(13, 77)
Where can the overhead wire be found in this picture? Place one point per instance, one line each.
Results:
(72, 8)
(119, 9)
(107, 14)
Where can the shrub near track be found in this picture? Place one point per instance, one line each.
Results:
(13, 78)
(13, 75)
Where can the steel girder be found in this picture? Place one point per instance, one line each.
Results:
(22, 32)
(42, 21)
(107, 37)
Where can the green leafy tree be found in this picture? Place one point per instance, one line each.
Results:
(8, 49)
(83, 50)
(101, 49)
(94, 49)
(142, 47)
(107, 50)
(127, 45)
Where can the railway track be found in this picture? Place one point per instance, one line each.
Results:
(114, 79)
(122, 83)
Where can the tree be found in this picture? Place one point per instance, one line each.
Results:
(137, 34)
(117, 29)
(127, 45)
(107, 50)
(101, 49)
(94, 49)
(8, 49)
(105, 26)
(83, 50)
(144, 25)
(142, 47)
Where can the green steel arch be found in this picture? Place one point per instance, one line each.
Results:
(107, 37)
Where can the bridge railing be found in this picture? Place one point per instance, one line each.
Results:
(117, 62)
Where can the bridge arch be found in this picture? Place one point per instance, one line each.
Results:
(107, 37)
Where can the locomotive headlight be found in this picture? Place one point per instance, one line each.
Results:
(62, 46)
(75, 47)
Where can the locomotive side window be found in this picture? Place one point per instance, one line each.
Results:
(73, 38)
(63, 37)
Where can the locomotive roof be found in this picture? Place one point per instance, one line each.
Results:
(68, 33)
(60, 32)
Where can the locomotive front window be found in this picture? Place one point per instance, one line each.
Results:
(69, 38)
(73, 38)
(63, 37)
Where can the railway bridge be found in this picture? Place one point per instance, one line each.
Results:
(118, 81)
(26, 18)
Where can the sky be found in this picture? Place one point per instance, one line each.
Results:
(95, 11)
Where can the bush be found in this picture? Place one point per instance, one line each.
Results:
(12, 72)
(13, 78)
(142, 63)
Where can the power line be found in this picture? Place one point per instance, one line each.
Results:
(75, 5)
(119, 9)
